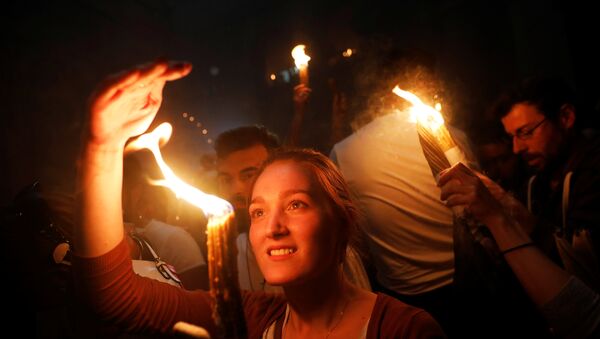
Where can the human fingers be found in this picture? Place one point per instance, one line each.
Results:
(150, 73)
(453, 187)
(459, 200)
(176, 70)
(114, 84)
(458, 171)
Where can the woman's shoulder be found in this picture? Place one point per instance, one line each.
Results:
(261, 309)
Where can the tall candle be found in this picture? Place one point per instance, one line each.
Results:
(223, 277)
(227, 309)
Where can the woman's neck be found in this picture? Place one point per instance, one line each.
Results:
(317, 306)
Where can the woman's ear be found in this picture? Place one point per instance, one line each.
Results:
(567, 116)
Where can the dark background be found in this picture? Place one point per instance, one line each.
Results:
(55, 52)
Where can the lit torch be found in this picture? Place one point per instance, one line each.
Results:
(438, 146)
(222, 267)
(441, 152)
(301, 60)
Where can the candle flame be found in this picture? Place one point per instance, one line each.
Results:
(300, 58)
(216, 209)
(420, 112)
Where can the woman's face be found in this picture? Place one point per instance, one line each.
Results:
(292, 230)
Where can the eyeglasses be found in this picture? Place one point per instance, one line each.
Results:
(526, 133)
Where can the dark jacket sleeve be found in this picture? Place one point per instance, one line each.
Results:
(392, 318)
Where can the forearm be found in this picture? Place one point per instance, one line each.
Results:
(296, 125)
(100, 224)
(541, 278)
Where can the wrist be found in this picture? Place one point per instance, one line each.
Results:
(515, 248)
(507, 232)
(102, 146)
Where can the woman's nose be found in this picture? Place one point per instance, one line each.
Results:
(277, 225)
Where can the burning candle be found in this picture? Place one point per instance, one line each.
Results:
(301, 60)
(441, 152)
(222, 266)
(439, 148)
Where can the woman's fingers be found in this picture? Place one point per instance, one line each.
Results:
(177, 70)
(115, 84)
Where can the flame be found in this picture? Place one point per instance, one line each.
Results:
(420, 112)
(300, 58)
(216, 209)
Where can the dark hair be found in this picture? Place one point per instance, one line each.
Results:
(334, 186)
(547, 94)
(243, 137)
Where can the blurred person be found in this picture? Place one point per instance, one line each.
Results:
(146, 210)
(409, 230)
(497, 161)
(240, 153)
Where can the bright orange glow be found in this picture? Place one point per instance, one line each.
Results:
(438, 107)
(419, 112)
(216, 209)
(347, 53)
(273, 77)
(300, 58)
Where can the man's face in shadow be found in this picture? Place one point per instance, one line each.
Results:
(236, 172)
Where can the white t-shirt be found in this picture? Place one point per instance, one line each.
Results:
(409, 230)
(173, 244)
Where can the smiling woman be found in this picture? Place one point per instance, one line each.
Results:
(302, 217)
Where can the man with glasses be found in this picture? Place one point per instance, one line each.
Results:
(541, 116)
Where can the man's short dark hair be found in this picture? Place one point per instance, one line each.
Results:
(547, 94)
(244, 137)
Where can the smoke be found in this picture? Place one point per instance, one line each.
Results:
(384, 66)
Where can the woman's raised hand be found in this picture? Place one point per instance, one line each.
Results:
(126, 103)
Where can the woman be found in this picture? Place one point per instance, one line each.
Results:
(301, 220)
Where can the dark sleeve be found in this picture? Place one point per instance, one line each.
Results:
(575, 311)
(584, 202)
(260, 310)
(392, 318)
(108, 285)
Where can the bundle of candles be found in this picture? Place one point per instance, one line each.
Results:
(224, 285)
(439, 148)
(222, 271)
(441, 152)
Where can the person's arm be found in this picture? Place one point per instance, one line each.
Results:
(540, 277)
(339, 110)
(104, 280)
(301, 94)
(122, 108)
